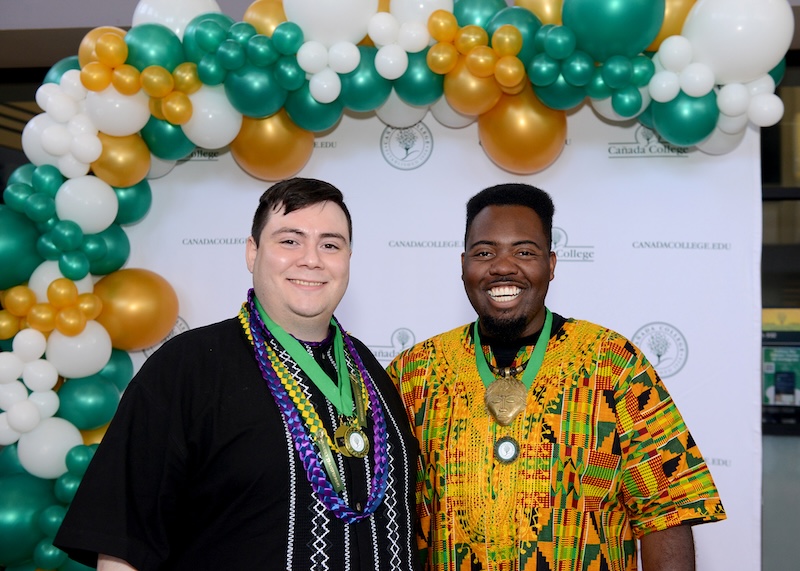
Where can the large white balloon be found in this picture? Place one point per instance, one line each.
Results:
(43, 450)
(174, 14)
(29, 345)
(46, 273)
(88, 201)
(24, 416)
(116, 114)
(399, 114)
(12, 393)
(331, 21)
(40, 375)
(417, 10)
(214, 122)
(46, 401)
(448, 116)
(739, 40)
(79, 355)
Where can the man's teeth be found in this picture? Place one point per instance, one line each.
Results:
(305, 283)
(504, 293)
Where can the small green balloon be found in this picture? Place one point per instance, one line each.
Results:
(363, 89)
(597, 88)
(118, 249)
(62, 66)
(46, 248)
(78, 458)
(88, 402)
(231, 55)
(289, 74)
(646, 117)
(254, 91)
(18, 252)
(686, 120)
(93, 247)
(560, 94)
(66, 487)
(477, 12)
(419, 85)
(134, 202)
(309, 114)
(48, 556)
(23, 174)
(51, 518)
(210, 70)
(617, 71)
(627, 101)
(559, 42)
(778, 72)
(210, 35)
(119, 369)
(47, 179)
(40, 207)
(153, 44)
(67, 235)
(74, 265)
(643, 70)
(47, 225)
(16, 196)
(543, 70)
(193, 51)
(165, 140)
(241, 32)
(287, 38)
(578, 68)
(260, 51)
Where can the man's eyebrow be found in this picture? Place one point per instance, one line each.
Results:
(299, 232)
(494, 243)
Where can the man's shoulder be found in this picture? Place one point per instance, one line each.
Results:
(432, 347)
(219, 334)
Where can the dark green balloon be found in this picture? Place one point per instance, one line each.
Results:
(260, 50)
(18, 253)
(66, 487)
(16, 196)
(119, 369)
(363, 89)
(231, 55)
(543, 70)
(118, 248)
(560, 94)
(617, 71)
(48, 556)
(74, 265)
(9, 460)
(88, 402)
(67, 235)
(51, 517)
(559, 42)
(578, 68)
(153, 44)
(686, 120)
(643, 70)
(287, 38)
(289, 74)
(210, 70)
(477, 12)
(309, 114)
(190, 46)
(597, 88)
(777, 72)
(646, 117)
(627, 101)
(165, 140)
(22, 174)
(241, 32)
(62, 66)
(94, 247)
(22, 498)
(46, 248)
(419, 85)
(47, 179)
(40, 207)
(134, 202)
(523, 20)
(254, 91)
(78, 458)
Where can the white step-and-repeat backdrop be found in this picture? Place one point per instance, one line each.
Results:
(660, 244)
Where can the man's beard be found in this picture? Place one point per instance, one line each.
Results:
(503, 328)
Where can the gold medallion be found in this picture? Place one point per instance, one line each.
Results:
(351, 441)
(505, 398)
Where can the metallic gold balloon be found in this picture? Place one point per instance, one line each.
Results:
(265, 15)
(157, 81)
(177, 108)
(139, 308)
(86, 50)
(469, 37)
(156, 110)
(442, 57)
(442, 26)
(515, 89)
(548, 11)
(521, 134)
(70, 321)
(675, 13)
(509, 71)
(42, 317)
(124, 162)
(94, 436)
(96, 76)
(273, 148)
(468, 94)
(18, 300)
(111, 49)
(507, 40)
(480, 61)
(90, 305)
(62, 292)
(126, 79)
(9, 324)
(185, 78)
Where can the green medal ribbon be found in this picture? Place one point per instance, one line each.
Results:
(535, 362)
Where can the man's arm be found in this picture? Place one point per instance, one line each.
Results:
(108, 563)
(668, 550)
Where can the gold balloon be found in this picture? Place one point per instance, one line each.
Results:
(509, 71)
(185, 78)
(124, 162)
(70, 321)
(96, 76)
(521, 134)
(442, 26)
(442, 57)
(111, 49)
(18, 300)
(675, 13)
(273, 148)
(507, 40)
(265, 15)
(156, 110)
(86, 50)
(126, 79)
(90, 305)
(9, 324)
(42, 317)
(470, 95)
(139, 308)
(157, 81)
(470, 36)
(94, 435)
(177, 108)
(548, 11)
(515, 89)
(62, 292)
(480, 61)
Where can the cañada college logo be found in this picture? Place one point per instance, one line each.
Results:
(180, 327)
(664, 346)
(407, 149)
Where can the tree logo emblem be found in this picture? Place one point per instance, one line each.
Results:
(408, 148)
(664, 346)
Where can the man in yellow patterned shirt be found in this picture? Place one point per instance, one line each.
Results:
(553, 446)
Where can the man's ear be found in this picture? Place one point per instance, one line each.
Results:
(250, 253)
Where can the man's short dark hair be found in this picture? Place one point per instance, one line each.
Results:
(513, 194)
(294, 194)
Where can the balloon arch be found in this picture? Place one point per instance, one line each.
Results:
(131, 104)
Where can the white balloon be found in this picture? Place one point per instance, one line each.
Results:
(46, 273)
(29, 345)
(71, 85)
(174, 14)
(764, 84)
(399, 114)
(675, 53)
(46, 401)
(81, 124)
(32, 140)
(12, 393)
(413, 37)
(418, 10)
(739, 40)
(343, 57)
(383, 29)
(40, 375)
(79, 355)
(56, 139)
(7, 434)
(391, 62)
(696, 79)
(24, 416)
(116, 114)
(312, 57)
(331, 21)
(43, 94)
(720, 142)
(61, 107)
(448, 116)
(765, 109)
(325, 86)
(732, 124)
(86, 147)
(11, 366)
(43, 450)
(664, 86)
(71, 167)
(88, 201)
(159, 167)
(733, 99)
(214, 122)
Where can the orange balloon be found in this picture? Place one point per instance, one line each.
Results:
(185, 78)
(481, 61)
(42, 317)
(124, 162)
(126, 79)
(273, 148)
(442, 26)
(442, 57)
(62, 292)
(509, 71)
(521, 134)
(265, 15)
(96, 76)
(111, 49)
(86, 50)
(470, 36)
(139, 308)
(507, 40)
(675, 13)
(9, 324)
(177, 108)
(94, 436)
(470, 95)
(70, 321)
(90, 305)
(18, 300)
(157, 81)
(548, 11)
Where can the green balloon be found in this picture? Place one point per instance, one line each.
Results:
(559, 42)
(93, 247)
(210, 71)
(118, 249)
(9, 460)
(560, 94)
(46, 248)
(309, 114)
(643, 70)
(543, 70)
(597, 88)
(153, 44)
(617, 71)
(646, 117)
(254, 91)
(66, 487)
(67, 235)
(48, 556)
(78, 459)
(627, 101)
(523, 20)
(47, 179)
(210, 35)
(419, 85)
(74, 265)
(165, 140)
(287, 38)
(231, 55)
(260, 51)
(686, 120)
(190, 45)
(363, 89)
(578, 68)
(777, 72)
(119, 369)
(22, 498)
(40, 207)
(477, 12)
(605, 28)
(51, 517)
(62, 66)
(289, 74)
(134, 202)
(241, 32)
(16, 196)
(18, 253)
(22, 174)
(88, 402)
